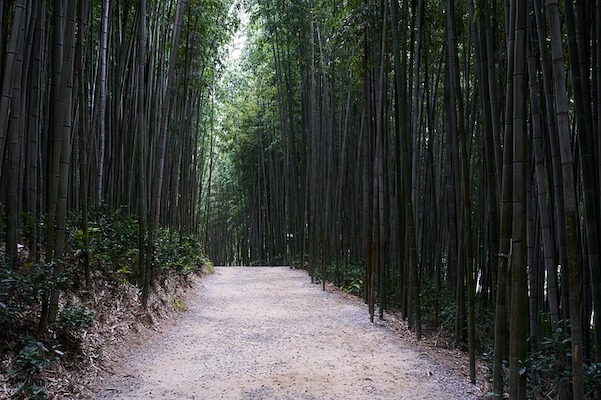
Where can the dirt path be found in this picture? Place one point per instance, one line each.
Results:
(268, 333)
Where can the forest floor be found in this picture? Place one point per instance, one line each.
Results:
(269, 333)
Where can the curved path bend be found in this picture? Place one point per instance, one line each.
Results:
(268, 333)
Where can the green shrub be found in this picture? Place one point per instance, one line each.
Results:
(178, 252)
(543, 367)
(7, 313)
(75, 316)
(32, 359)
(299, 261)
(113, 243)
(20, 293)
(346, 275)
(592, 379)
(30, 392)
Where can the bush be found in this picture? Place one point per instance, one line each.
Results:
(75, 316)
(32, 359)
(592, 379)
(113, 246)
(299, 261)
(543, 367)
(444, 322)
(20, 292)
(181, 253)
(346, 275)
(7, 313)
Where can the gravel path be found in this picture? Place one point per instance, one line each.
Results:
(268, 333)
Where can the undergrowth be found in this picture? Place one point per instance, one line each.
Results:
(349, 276)
(27, 353)
(548, 355)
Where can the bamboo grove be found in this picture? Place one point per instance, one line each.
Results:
(448, 151)
(105, 105)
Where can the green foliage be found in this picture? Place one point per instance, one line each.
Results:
(114, 247)
(7, 312)
(299, 261)
(20, 291)
(179, 252)
(447, 314)
(548, 366)
(544, 367)
(179, 305)
(445, 320)
(113, 252)
(592, 379)
(113, 243)
(113, 255)
(348, 276)
(208, 264)
(30, 392)
(75, 316)
(32, 359)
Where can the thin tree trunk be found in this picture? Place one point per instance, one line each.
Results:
(569, 196)
(102, 99)
(506, 219)
(578, 48)
(16, 131)
(66, 116)
(543, 206)
(57, 107)
(159, 156)
(519, 293)
(142, 153)
(400, 126)
(34, 130)
(15, 48)
(557, 180)
(490, 116)
(82, 129)
(461, 153)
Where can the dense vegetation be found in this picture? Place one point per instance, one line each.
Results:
(104, 136)
(112, 251)
(440, 159)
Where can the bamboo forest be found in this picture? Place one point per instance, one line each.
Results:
(440, 160)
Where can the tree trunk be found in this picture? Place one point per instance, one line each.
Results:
(82, 130)
(506, 221)
(578, 48)
(518, 328)
(159, 156)
(15, 47)
(548, 241)
(16, 131)
(569, 194)
(142, 139)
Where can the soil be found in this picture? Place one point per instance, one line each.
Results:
(269, 333)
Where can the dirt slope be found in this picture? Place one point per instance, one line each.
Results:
(268, 333)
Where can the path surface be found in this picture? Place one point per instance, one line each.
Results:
(268, 333)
